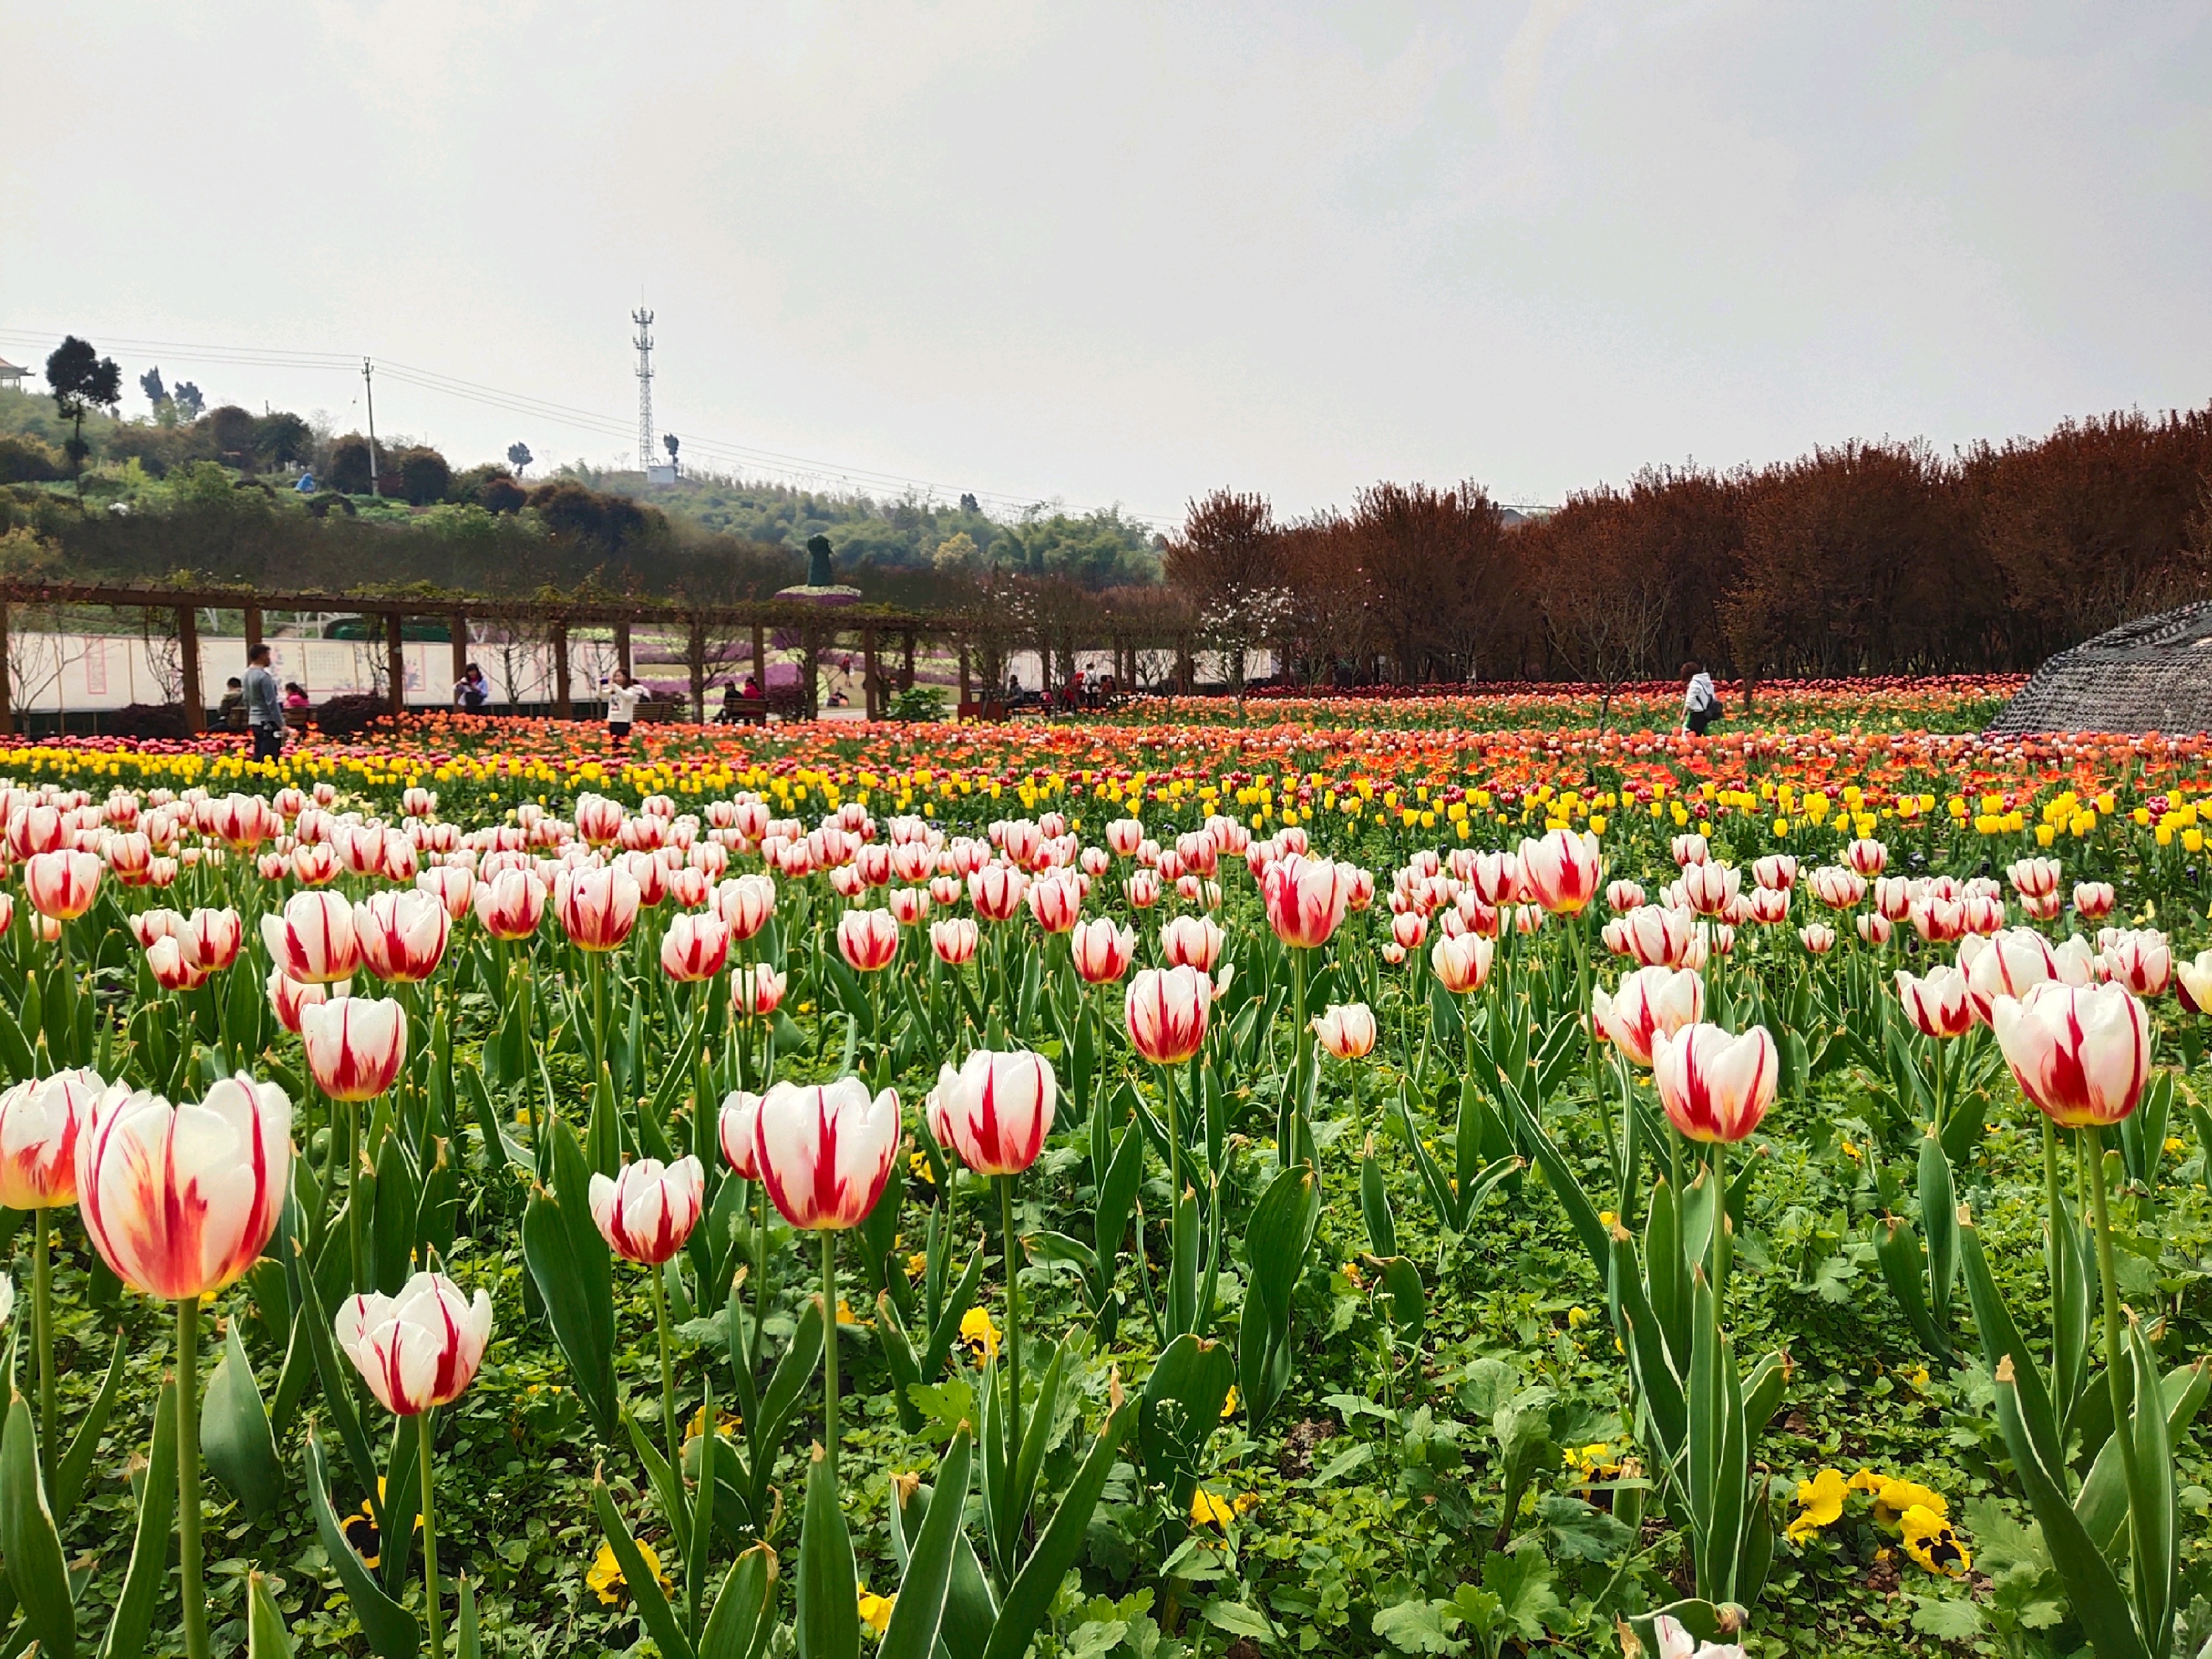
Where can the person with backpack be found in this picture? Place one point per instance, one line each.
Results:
(1701, 704)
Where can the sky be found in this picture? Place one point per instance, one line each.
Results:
(1122, 253)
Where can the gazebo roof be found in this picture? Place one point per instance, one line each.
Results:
(2153, 674)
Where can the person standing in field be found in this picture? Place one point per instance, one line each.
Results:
(264, 705)
(624, 696)
(1701, 704)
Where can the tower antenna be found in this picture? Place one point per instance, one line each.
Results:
(643, 318)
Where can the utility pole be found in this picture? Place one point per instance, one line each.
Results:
(643, 318)
(369, 385)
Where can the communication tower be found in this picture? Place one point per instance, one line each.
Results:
(643, 318)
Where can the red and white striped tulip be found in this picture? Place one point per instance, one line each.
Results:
(35, 828)
(867, 939)
(312, 940)
(909, 906)
(2080, 1053)
(736, 1129)
(995, 1111)
(1125, 835)
(1940, 1004)
(1875, 928)
(1055, 902)
(1837, 888)
(40, 1121)
(172, 969)
(1715, 1086)
(1711, 890)
(954, 939)
(1689, 848)
(453, 886)
(131, 856)
(599, 820)
(2003, 964)
(1818, 938)
(2094, 900)
(179, 1200)
(420, 1349)
(647, 1210)
(286, 997)
(1658, 936)
(354, 1045)
(695, 947)
(1767, 906)
(1462, 965)
(401, 934)
(824, 1150)
(61, 885)
(1776, 872)
(994, 892)
(2139, 959)
(2034, 878)
(2192, 985)
(1192, 941)
(1649, 1003)
(756, 991)
(1409, 929)
(1102, 950)
(1143, 887)
(1866, 857)
(1166, 1010)
(1345, 1029)
(597, 908)
(511, 904)
(1306, 899)
(1622, 896)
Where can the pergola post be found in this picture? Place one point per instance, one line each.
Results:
(621, 648)
(7, 678)
(1186, 668)
(253, 630)
(871, 680)
(906, 663)
(395, 652)
(461, 632)
(562, 709)
(698, 656)
(188, 658)
(965, 689)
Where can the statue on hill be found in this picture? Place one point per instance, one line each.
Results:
(819, 573)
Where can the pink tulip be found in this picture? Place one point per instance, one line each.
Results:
(867, 939)
(354, 1045)
(40, 1119)
(1650, 1003)
(61, 885)
(312, 940)
(1715, 1087)
(1166, 1010)
(824, 1150)
(1346, 1029)
(1102, 950)
(420, 1349)
(286, 997)
(179, 1200)
(1306, 899)
(695, 947)
(646, 1212)
(401, 935)
(954, 939)
(1939, 1004)
(1462, 965)
(2081, 1054)
(995, 1111)
(511, 904)
(596, 907)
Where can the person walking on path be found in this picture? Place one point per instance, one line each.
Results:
(1701, 704)
(264, 705)
(624, 696)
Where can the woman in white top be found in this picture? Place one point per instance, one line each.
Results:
(1701, 705)
(624, 696)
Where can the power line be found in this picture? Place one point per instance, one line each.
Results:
(800, 470)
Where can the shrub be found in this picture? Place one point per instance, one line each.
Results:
(26, 459)
(351, 715)
(156, 721)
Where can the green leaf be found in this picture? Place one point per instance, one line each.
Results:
(1030, 1601)
(569, 1263)
(1239, 1619)
(149, 1547)
(829, 1585)
(468, 1639)
(30, 1542)
(390, 1629)
(652, 1602)
(1277, 1242)
(337, 1396)
(1180, 1408)
(1420, 1626)
(77, 1466)
(1375, 1208)
(235, 1437)
(740, 1624)
(1949, 1617)
(1522, 1581)
(919, 1611)
(266, 1638)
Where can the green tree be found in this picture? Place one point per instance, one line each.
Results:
(82, 380)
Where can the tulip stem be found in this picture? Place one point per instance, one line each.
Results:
(829, 1348)
(669, 1426)
(1289, 1141)
(1720, 1224)
(1013, 1317)
(2121, 1429)
(760, 1289)
(356, 1223)
(42, 1331)
(429, 1543)
(188, 1476)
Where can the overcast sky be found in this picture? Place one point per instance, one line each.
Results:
(1113, 253)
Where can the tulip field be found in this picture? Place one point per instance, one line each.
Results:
(1421, 1177)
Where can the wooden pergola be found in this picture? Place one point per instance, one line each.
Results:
(822, 626)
